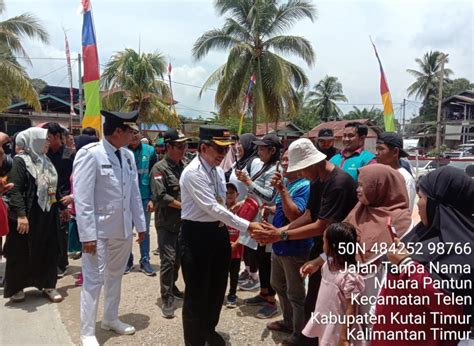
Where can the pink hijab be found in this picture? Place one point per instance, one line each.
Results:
(385, 190)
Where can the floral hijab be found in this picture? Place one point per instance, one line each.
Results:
(32, 142)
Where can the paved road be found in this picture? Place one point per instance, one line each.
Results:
(35, 321)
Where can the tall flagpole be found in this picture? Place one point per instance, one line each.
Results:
(172, 105)
(81, 99)
(245, 106)
(69, 72)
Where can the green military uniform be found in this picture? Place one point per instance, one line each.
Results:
(165, 189)
(164, 184)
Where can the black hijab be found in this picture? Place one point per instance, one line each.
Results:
(250, 150)
(450, 208)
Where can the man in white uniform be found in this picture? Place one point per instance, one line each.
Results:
(107, 201)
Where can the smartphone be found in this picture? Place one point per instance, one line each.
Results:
(277, 168)
(391, 228)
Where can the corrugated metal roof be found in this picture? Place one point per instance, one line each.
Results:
(283, 127)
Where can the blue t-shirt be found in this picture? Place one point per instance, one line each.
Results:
(299, 192)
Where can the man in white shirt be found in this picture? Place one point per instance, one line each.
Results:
(204, 238)
(389, 152)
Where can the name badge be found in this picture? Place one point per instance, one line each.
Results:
(106, 166)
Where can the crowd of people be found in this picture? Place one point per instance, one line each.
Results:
(320, 232)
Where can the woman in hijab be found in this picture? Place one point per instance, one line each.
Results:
(31, 247)
(446, 207)
(74, 244)
(247, 161)
(264, 193)
(382, 197)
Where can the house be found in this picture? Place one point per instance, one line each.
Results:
(286, 130)
(153, 130)
(458, 113)
(55, 106)
(338, 128)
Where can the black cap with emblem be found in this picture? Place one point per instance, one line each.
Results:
(325, 134)
(217, 134)
(174, 136)
(117, 119)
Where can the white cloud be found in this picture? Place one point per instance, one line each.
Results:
(402, 30)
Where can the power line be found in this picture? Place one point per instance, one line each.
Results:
(194, 86)
(28, 58)
(55, 70)
(180, 105)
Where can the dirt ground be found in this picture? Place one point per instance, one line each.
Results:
(140, 306)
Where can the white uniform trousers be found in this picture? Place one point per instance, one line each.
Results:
(106, 269)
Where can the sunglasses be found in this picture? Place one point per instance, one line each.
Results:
(220, 149)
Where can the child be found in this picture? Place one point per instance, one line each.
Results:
(337, 286)
(237, 249)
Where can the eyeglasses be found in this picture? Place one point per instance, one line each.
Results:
(220, 149)
(180, 146)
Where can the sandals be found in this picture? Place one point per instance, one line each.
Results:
(18, 297)
(279, 326)
(53, 295)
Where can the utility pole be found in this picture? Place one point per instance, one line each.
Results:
(81, 105)
(443, 58)
(403, 119)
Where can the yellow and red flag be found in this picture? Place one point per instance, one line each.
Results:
(388, 115)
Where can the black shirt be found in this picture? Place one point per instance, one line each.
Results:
(328, 152)
(62, 161)
(333, 198)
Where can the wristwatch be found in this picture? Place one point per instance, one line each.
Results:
(284, 235)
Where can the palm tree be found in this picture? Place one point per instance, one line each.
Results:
(324, 96)
(375, 115)
(427, 78)
(14, 81)
(131, 81)
(253, 35)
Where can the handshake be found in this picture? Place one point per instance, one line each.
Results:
(264, 232)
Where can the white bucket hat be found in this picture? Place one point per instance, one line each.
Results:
(302, 153)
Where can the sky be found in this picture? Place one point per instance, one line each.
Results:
(402, 31)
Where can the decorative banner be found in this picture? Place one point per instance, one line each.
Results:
(388, 117)
(253, 80)
(69, 73)
(92, 117)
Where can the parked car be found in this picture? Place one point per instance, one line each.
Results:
(464, 164)
(453, 154)
(426, 166)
